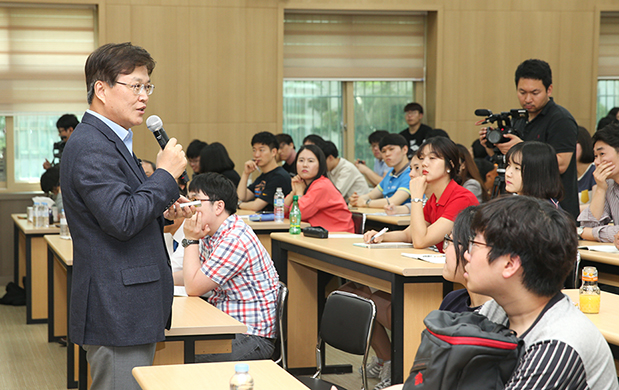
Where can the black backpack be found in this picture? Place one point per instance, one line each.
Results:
(464, 351)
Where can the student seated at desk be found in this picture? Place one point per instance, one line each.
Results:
(532, 169)
(455, 245)
(259, 195)
(223, 255)
(439, 161)
(604, 207)
(321, 204)
(415, 167)
(439, 156)
(393, 189)
(522, 251)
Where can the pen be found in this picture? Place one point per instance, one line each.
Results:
(196, 203)
(388, 204)
(379, 234)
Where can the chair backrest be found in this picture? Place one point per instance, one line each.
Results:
(281, 306)
(347, 322)
(358, 219)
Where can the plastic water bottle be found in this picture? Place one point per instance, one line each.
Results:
(38, 219)
(278, 203)
(295, 216)
(64, 227)
(241, 380)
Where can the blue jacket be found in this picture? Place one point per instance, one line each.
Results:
(122, 285)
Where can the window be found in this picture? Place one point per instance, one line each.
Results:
(43, 49)
(608, 97)
(316, 107)
(379, 105)
(313, 107)
(347, 74)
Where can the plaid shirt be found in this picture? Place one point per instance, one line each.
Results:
(235, 259)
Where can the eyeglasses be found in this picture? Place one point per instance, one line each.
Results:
(447, 241)
(471, 242)
(139, 88)
(203, 200)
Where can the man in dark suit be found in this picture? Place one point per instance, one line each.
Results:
(121, 297)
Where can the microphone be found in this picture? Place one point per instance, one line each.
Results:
(478, 112)
(155, 124)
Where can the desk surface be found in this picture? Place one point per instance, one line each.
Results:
(398, 220)
(190, 315)
(608, 317)
(193, 315)
(390, 260)
(267, 376)
(28, 228)
(600, 257)
(268, 225)
(62, 247)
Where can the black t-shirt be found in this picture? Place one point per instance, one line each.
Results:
(415, 140)
(457, 301)
(290, 168)
(557, 127)
(266, 184)
(233, 176)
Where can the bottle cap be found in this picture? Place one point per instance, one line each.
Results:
(241, 367)
(295, 198)
(589, 274)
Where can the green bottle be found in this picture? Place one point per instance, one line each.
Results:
(295, 216)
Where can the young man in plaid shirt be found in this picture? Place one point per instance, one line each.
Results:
(223, 255)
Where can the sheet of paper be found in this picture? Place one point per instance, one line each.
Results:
(179, 291)
(438, 258)
(384, 245)
(601, 248)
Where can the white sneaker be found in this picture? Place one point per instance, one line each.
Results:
(372, 368)
(385, 376)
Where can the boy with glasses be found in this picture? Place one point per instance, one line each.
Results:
(223, 255)
(521, 254)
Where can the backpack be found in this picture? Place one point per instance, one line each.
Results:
(464, 351)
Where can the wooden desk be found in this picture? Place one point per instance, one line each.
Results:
(30, 261)
(377, 222)
(197, 326)
(416, 288)
(606, 320)
(606, 263)
(267, 376)
(264, 229)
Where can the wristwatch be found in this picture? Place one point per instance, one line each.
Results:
(367, 202)
(185, 243)
(579, 231)
(417, 200)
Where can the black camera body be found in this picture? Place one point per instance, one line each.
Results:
(496, 135)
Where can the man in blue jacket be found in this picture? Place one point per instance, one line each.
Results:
(121, 297)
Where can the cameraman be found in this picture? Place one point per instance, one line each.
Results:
(547, 122)
(65, 125)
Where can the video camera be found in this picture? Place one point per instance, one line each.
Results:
(496, 135)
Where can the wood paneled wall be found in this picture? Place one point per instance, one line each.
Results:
(219, 75)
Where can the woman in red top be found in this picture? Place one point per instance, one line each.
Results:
(321, 204)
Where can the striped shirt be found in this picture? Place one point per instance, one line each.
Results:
(563, 350)
(247, 280)
(602, 231)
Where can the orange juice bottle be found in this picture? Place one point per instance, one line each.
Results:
(589, 291)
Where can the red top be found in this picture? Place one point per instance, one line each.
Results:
(454, 199)
(323, 205)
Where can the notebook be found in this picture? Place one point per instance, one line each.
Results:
(437, 258)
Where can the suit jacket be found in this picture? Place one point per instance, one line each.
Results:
(122, 282)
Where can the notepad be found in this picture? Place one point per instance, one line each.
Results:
(429, 257)
(601, 248)
(384, 245)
